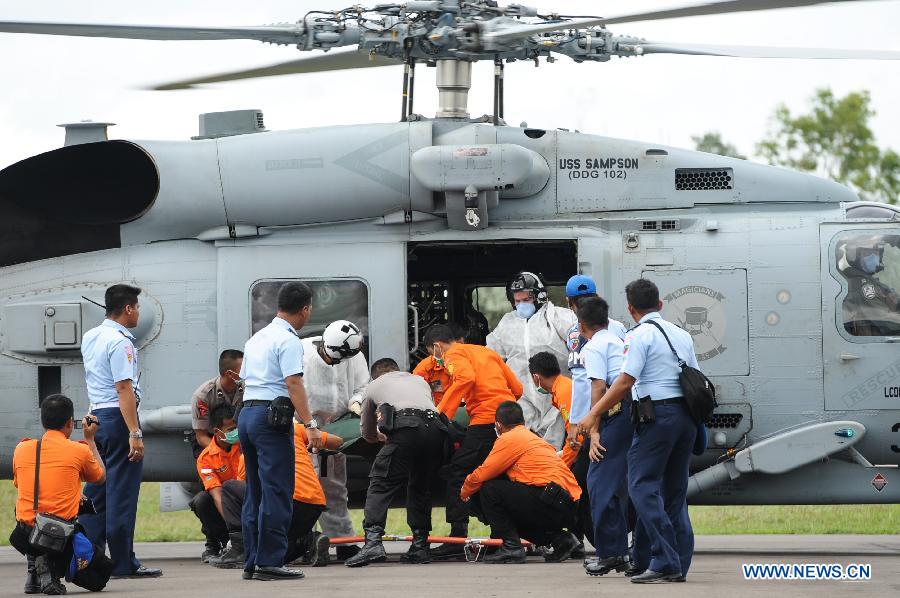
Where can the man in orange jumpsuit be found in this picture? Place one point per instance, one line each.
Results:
(548, 381)
(523, 490)
(435, 374)
(309, 502)
(480, 376)
(221, 469)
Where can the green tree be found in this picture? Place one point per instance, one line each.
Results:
(834, 139)
(712, 143)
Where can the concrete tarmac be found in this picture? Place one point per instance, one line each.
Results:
(716, 571)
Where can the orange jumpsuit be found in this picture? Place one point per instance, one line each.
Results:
(479, 375)
(435, 375)
(307, 487)
(217, 466)
(526, 458)
(561, 397)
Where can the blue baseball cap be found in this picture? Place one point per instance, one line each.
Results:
(580, 285)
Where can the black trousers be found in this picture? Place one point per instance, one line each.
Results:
(212, 524)
(58, 563)
(411, 458)
(303, 518)
(215, 525)
(583, 527)
(475, 448)
(233, 492)
(513, 509)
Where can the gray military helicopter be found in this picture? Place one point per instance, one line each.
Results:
(788, 284)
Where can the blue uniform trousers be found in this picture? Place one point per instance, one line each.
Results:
(116, 500)
(268, 504)
(640, 552)
(606, 481)
(658, 469)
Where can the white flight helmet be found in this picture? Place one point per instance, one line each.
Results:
(341, 340)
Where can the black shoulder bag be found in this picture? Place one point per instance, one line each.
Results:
(50, 533)
(699, 393)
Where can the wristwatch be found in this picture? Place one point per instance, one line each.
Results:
(137, 434)
(311, 424)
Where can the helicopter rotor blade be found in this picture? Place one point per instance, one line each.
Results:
(331, 61)
(692, 10)
(285, 34)
(765, 51)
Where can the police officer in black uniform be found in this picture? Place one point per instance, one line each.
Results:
(398, 409)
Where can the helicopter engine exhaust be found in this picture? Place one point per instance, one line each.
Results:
(110, 182)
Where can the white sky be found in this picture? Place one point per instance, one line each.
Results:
(48, 80)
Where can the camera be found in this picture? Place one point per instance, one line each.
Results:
(91, 420)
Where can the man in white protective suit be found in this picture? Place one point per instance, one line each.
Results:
(335, 377)
(534, 325)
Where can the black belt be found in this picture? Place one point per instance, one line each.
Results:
(422, 413)
(671, 401)
(257, 403)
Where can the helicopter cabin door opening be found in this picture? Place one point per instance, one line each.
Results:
(466, 283)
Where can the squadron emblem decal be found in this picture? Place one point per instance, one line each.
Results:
(868, 291)
(701, 312)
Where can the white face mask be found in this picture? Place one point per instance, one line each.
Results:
(497, 430)
(525, 310)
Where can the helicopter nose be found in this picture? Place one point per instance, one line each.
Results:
(93, 183)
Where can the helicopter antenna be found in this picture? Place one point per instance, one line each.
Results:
(100, 305)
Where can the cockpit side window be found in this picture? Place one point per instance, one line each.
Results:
(869, 265)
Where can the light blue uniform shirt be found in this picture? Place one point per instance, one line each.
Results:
(603, 356)
(109, 356)
(270, 356)
(581, 385)
(650, 362)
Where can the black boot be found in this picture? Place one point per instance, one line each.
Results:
(418, 552)
(48, 582)
(511, 552)
(651, 576)
(372, 552)
(233, 558)
(606, 565)
(32, 586)
(564, 544)
(450, 552)
(212, 550)
(317, 550)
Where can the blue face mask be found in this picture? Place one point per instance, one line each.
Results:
(870, 263)
(525, 310)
